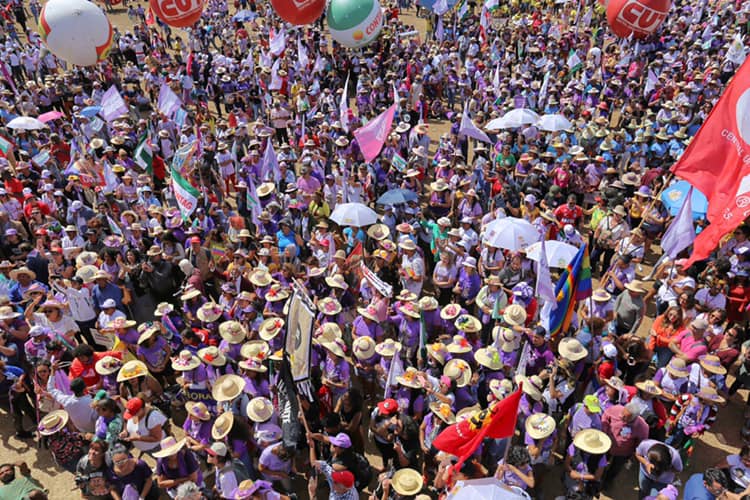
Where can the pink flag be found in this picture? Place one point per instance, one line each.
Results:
(372, 136)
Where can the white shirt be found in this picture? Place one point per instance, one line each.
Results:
(226, 480)
(80, 303)
(81, 413)
(153, 418)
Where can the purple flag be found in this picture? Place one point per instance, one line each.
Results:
(468, 128)
(113, 105)
(168, 103)
(372, 136)
(270, 170)
(681, 232)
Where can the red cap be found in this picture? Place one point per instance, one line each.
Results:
(388, 407)
(132, 407)
(343, 477)
(195, 239)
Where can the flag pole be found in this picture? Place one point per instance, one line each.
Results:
(656, 197)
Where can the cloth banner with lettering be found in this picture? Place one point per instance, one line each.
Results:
(200, 396)
(717, 163)
(372, 136)
(300, 322)
(381, 286)
(185, 194)
(113, 105)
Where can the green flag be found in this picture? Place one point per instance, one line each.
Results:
(143, 155)
(185, 194)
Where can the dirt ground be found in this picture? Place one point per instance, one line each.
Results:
(712, 448)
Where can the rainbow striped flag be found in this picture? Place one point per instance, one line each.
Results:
(574, 285)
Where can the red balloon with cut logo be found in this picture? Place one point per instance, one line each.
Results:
(178, 13)
(640, 18)
(299, 12)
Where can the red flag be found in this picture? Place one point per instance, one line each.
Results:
(717, 162)
(232, 120)
(463, 438)
(355, 255)
(150, 18)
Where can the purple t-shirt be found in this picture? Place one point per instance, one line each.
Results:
(273, 463)
(187, 464)
(155, 354)
(137, 478)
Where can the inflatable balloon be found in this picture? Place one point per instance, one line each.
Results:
(76, 31)
(639, 17)
(178, 13)
(354, 23)
(299, 12)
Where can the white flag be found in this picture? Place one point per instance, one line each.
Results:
(277, 43)
(736, 52)
(440, 7)
(544, 287)
(651, 81)
(302, 57)
(543, 91)
(573, 60)
(496, 79)
(395, 370)
(168, 103)
(344, 106)
(468, 128)
(440, 30)
(275, 83)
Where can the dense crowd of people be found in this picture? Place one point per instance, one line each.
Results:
(133, 329)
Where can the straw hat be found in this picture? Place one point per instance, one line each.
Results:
(163, 309)
(276, 293)
(407, 244)
(571, 349)
(328, 332)
(368, 312)
(198, 410)
(265, 189)
(468, 323)
(270, 328)
(363, 348)
(233, 331)
(635, 286)
(222, 425)
(190, 293)
(7, 312)
(406, 296)
(439, 185)
(388, 348)
(615, 382)
(428, 303)
(409, 378)
(592, 441)
(501, 388)
(147, 334)
(489, 357)
(514, 315)
(86, 259)
(53, 422)
(459, 345)
(260, 277)
(649, 387)
(438, 351)
(540, 426)
(210, 312)
(336, 347)
(712, 364)
(211, 355)
(407, 482)
(509, 341)
(169, 446)
(409, 309)
(329, 306)
(260, 409)
(121, 324)
(253, 364)
(22, 270)
(255, 349)
(601, 295)
(443, 412)
(378, 232)
(107, 365)
(532, 386)
(710, 394)
(132, 369)
(337, 281)
(458, 370)
(185, 362)
(677, 368)
(227, 387)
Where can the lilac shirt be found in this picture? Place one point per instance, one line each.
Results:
(155, 354)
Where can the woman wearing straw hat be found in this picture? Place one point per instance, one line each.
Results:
(154, 351)
(336, 376)
(586, 460)
(197, 427)
(67, 446)
(540, 438)
(134, 379)
(176, 464)
(692, 415)
(192, 373)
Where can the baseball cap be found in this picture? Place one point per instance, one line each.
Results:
(609, 350)
(195, 239)
(388, 407)
(132, 407)
(343, 477)
(341, 440)
(592, 403)
(218, 449)
(109, 303)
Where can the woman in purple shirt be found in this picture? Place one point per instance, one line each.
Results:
(154, 351)
(586, 460)
(197, 427)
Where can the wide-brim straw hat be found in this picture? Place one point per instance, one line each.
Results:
(132, 369)
(710, 394)
(147, 334)
(255, 349)
(363, 348)
(489, 357)
(107, 365)
(270, 328)
(635, 286)
(428, 303)
(335, 347)
(190, 294)
(459, 345)
(329, 306)
(458, 370)
(649, 387)
(222, 425)
(531, 386)
(53, 422)
(260, 409)
(209, 312)
(233, 332)
(712, 364)
(592, 441)
(509, 340)
(199, 410)
(22, 270)
(501, 388)
(540, 426)
(514, 315)
(571, 349)
(276, 293)
(438, 351)
(601, 295)
(169, 446)
(185, 361)
(409, 378)
(443, 412)
(378, 232)
(368, 312)
(227, 387)
(260, 277)
(468, 323)
(407, 482)
(86, 259)
(409, 309)
(450, 311)
(388, 348)
(211, 355)
(677, 368)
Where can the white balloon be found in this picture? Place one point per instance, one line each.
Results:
(76, 31)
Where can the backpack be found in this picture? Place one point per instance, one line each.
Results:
(166, 427)
(240, 471)
(362, 471)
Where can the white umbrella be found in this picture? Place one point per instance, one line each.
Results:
(559, 254)
(354, 214)
(553, 123)
(519, 117)
(26, 123)
(487, 488)
(495, 124)
(510, 233)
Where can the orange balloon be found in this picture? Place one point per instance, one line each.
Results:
(178, 13)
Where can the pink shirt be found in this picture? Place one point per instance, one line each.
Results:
(688, 345)
(625, 435)
(308, 186)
